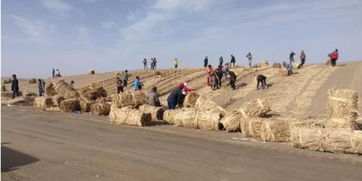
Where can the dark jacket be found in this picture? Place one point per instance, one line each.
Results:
(15, 85)
(232, 75)
(260, 77)
(176, 96)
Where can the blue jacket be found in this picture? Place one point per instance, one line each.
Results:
(137, 84)
(176, 97)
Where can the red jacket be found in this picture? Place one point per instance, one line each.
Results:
(333, 55)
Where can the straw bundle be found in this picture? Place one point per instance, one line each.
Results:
(129, 116)
(85, 105)
(231, 121)
(309, 138)
(356, 142)
(186, 118)
(277, 65)
(139, 97)
(7, 94)
(64, 89)
(32, 81)
(204, 104)
(275, 130)
(169, 116)
(190, 99)
(100, 109)
(43, 102)
(93, 93)
(251, 127)
(265, 63)
(20, 101)
(342, 108)
(70, 105)
(208, 120)
(255, 108)
(156, 112)
(309, 123)
(50, 89)
(123, 99)
(57, 99)
(7, 81)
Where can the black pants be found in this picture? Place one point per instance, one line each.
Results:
(119, 89)
(205, 64)
(333, 62)
(301, 63)
(41, 92)
(15, 93)
(125, 83)
(220, 78)
(262, 82)
(232, 83)
(290, 72)
(232, 64)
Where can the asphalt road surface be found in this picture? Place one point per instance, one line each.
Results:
(39, 145)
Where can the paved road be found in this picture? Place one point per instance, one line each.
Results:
(40, 145)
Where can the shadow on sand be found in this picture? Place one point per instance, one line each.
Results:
(12, 159)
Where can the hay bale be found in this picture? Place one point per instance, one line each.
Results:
(43, 102)
(186, 118)
(64, 89)
(156, 112)
(208, 120)
(85, 105)
(91, 72)
(20, 101)
(7, 94)
(190, 99)
(204, 104)
(3, 88)
(356, 141)
(57, 99)
(169, 116)
(92, 93)
(50, 89)
(32, 81)
(70, 105)
(139, 98)
(255, 108)
(122, 100)
(309, 123)
(309, 138)
(7, 81)
(342, 108)
(101, 109)
(277, 65)
(275, 130)
(231, 121)
(265, 63)
(129, 116)
(251, 127)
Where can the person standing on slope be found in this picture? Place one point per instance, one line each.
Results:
(176, 62)
(233, 77)
(53, 73)
(206, 61)
(334, 57)
(250, 58)
(15, 86)
(209, 72)
(302, 59)
(145, 67)
(119, 85)
(41, 87)
(221, 61)
(291, 57)
(232, 61)
(125, 78)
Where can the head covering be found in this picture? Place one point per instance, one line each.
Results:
(181, 86)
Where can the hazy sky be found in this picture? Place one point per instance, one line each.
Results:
(108, 35)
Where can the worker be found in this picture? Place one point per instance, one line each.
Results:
(153, 98)
(176, 97)
(250, 58)
(225, 69)
(125, 78)
(41, 87)
(145, 67)
(15, 86)
(221, 61)
(137, 84)
(261, 80)
(232, 61)
(209, 72)
(233, 77)
(334, 57)
(206, 61)
(176, 62)
(302, 59)
(219, 72)
(215, 79)
(120, 85)
(291, 57)
(72, 83)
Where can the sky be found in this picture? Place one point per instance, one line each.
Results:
(112, 35)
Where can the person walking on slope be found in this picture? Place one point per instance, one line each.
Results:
(154, 63)
(261, 79)
(176, 62)
(216, 79)
(41, 87)
(145, 67)
(250, 58)
(206, 61)
(289, 68)
(153, 98)
(291, 57)
(137, 85)
(233, 77)
(225, 69)
(176, 97)
(15, 86)
(334, 57)
(125, 78)
(209, 72)
(302, 59)
(232, 61)
(119, 85)
(221, 61)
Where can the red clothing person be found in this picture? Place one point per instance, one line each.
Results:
(209, 73)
